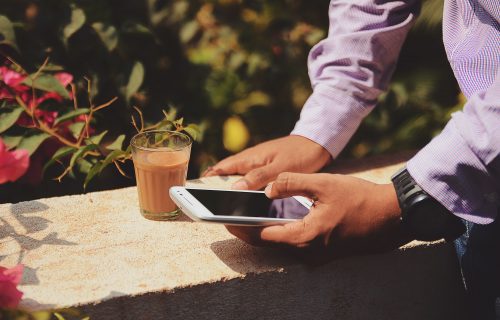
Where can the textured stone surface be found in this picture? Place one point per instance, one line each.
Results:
(96, 251)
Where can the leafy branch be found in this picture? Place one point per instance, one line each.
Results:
(79, 146)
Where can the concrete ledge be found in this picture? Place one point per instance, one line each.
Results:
(405, 285)
(97, 252)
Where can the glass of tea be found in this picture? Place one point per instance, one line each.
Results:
(160, 160)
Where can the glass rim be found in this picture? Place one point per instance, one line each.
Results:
(188, 143)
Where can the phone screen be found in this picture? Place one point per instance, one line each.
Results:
(248, 204)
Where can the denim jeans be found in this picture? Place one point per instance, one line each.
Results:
(478, 251)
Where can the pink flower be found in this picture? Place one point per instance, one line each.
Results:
(13, 80)
(11, 77)
(13, 164)
(48, 117)
(64, 78)
(9, 279)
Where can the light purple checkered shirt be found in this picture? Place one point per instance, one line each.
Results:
(353, 65)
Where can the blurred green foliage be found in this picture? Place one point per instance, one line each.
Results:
(237, 66)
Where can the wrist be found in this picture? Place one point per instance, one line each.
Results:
(394, 231)
(390, 202)
(321, 154)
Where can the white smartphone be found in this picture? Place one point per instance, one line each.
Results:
(235, 207)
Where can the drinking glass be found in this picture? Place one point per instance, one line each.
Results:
(160, 161)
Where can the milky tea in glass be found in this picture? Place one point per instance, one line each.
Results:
(160, 160)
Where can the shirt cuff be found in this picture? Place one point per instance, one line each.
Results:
(451, 172)
(330, 117)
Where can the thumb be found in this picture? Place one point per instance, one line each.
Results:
(294, 184)
(257, 178)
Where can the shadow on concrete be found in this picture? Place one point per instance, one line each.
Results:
(22, 212)
(244, 259)
(32, 224)
(29, 303)
(182, 218)
(28, 243)
(29, 276)
(113, 294)
(28, 207)
(420, 283)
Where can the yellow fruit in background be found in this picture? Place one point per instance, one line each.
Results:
(235, 134)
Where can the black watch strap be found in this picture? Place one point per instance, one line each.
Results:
(422, 215)
(406, 189)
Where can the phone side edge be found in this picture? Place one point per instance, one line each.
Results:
(238, 221)
(182, 203)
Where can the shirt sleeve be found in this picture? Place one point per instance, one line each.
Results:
(461, 166)
(352, 66)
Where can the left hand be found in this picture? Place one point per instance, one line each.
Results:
(349, 216)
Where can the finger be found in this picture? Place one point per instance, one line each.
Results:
(297, 234)
(232, 165)
(207, 171)
(257, 178)
(250, 235)
(294, 184)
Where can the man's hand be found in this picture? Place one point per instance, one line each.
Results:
(349, 216)
(262, 163)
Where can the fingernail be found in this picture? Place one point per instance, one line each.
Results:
(268, 189)
(207, 170)
(240, 185)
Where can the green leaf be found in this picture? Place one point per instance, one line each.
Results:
(110, 157)
(80, 153)
(222, 87)
(165, 125)
(9, 116)
(132, 27)
(117, 144)
(95, 169)
(53, 67)
(171, 114)
(76, 21)
(431, 15)
(32, 141)
(12, 141)
(46, 82)
(314, 37)
(194, 131)
(236, 60)
(84, 165)
(71, 115)
(135, 80)
(254, 98)
(76, 128)
(188, 31)
(179, 122)
(98, 138)
(60, 153)
(41, 315)
(7, 34)
(107, 33)
(58, 316)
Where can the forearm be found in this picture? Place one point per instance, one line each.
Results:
(461, 167)
(352, 66)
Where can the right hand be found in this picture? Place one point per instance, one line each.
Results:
(349, 216)
(262, 163)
